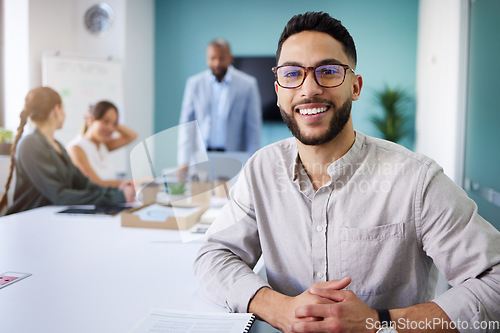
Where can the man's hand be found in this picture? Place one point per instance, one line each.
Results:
(346, 312)
(278, 309)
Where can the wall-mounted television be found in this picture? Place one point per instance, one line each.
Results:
(260, 68)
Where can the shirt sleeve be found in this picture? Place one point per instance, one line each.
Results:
(46, 177)
(224, 264)
(463, 246)
(253, 119)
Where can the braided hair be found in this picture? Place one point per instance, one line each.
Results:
(38, 104)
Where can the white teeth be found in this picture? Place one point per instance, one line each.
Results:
(313, 111)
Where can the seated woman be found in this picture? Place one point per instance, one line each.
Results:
(44, 172)
(90, 151)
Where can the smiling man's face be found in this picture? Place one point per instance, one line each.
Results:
(315, 115)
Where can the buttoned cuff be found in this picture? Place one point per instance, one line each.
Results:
(243, 291)
(460, 304)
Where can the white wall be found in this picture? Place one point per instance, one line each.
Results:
(138, 67)
(57, 25)
(111, 43)
(16, 71)
(51, 28)
(441, 82)
(441, 86)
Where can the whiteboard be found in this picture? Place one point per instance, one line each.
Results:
(81, 82)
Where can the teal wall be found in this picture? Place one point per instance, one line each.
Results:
(482, 152)
(385, 33)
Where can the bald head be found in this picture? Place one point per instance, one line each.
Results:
(222, 43)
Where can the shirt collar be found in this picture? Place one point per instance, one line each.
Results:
(336, 169)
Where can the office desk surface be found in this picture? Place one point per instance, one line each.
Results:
(90, 274)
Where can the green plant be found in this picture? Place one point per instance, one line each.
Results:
(391, 123)
(178, 188)
(5, 135)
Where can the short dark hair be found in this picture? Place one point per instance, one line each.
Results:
(322, 22)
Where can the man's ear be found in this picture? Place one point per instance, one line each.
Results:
(357, 84)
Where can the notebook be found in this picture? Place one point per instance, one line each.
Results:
(176, 321)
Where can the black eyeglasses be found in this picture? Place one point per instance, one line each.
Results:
(327, 76)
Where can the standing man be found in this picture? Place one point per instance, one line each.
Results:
(351, 228)
(225, 102)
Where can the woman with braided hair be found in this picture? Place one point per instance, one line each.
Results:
(44, 172)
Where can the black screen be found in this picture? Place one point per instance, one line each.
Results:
(260, 68)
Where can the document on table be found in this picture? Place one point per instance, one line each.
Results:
(175, 321)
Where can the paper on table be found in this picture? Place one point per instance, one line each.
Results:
(175, 321)
(159, 213)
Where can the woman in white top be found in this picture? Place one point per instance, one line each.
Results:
(89, 152)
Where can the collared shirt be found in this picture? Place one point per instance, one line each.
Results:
(387, 219)
(219, 109)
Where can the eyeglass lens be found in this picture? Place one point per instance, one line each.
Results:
(326, 75)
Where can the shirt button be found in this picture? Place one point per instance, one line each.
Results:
(319, 228)
(319, 275)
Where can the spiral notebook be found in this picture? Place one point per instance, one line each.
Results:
(175, 321)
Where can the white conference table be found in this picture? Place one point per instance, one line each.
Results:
(90, 274)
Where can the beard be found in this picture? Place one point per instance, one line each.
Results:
(219, 73)
(339, 120)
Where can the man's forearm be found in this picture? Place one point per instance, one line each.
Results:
(264, 304)
(279, 310)
(425, 317)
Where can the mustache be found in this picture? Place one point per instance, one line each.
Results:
(312, 101)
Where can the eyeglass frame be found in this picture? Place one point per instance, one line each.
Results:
(307, 69)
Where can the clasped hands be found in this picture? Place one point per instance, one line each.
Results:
(324, 307)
